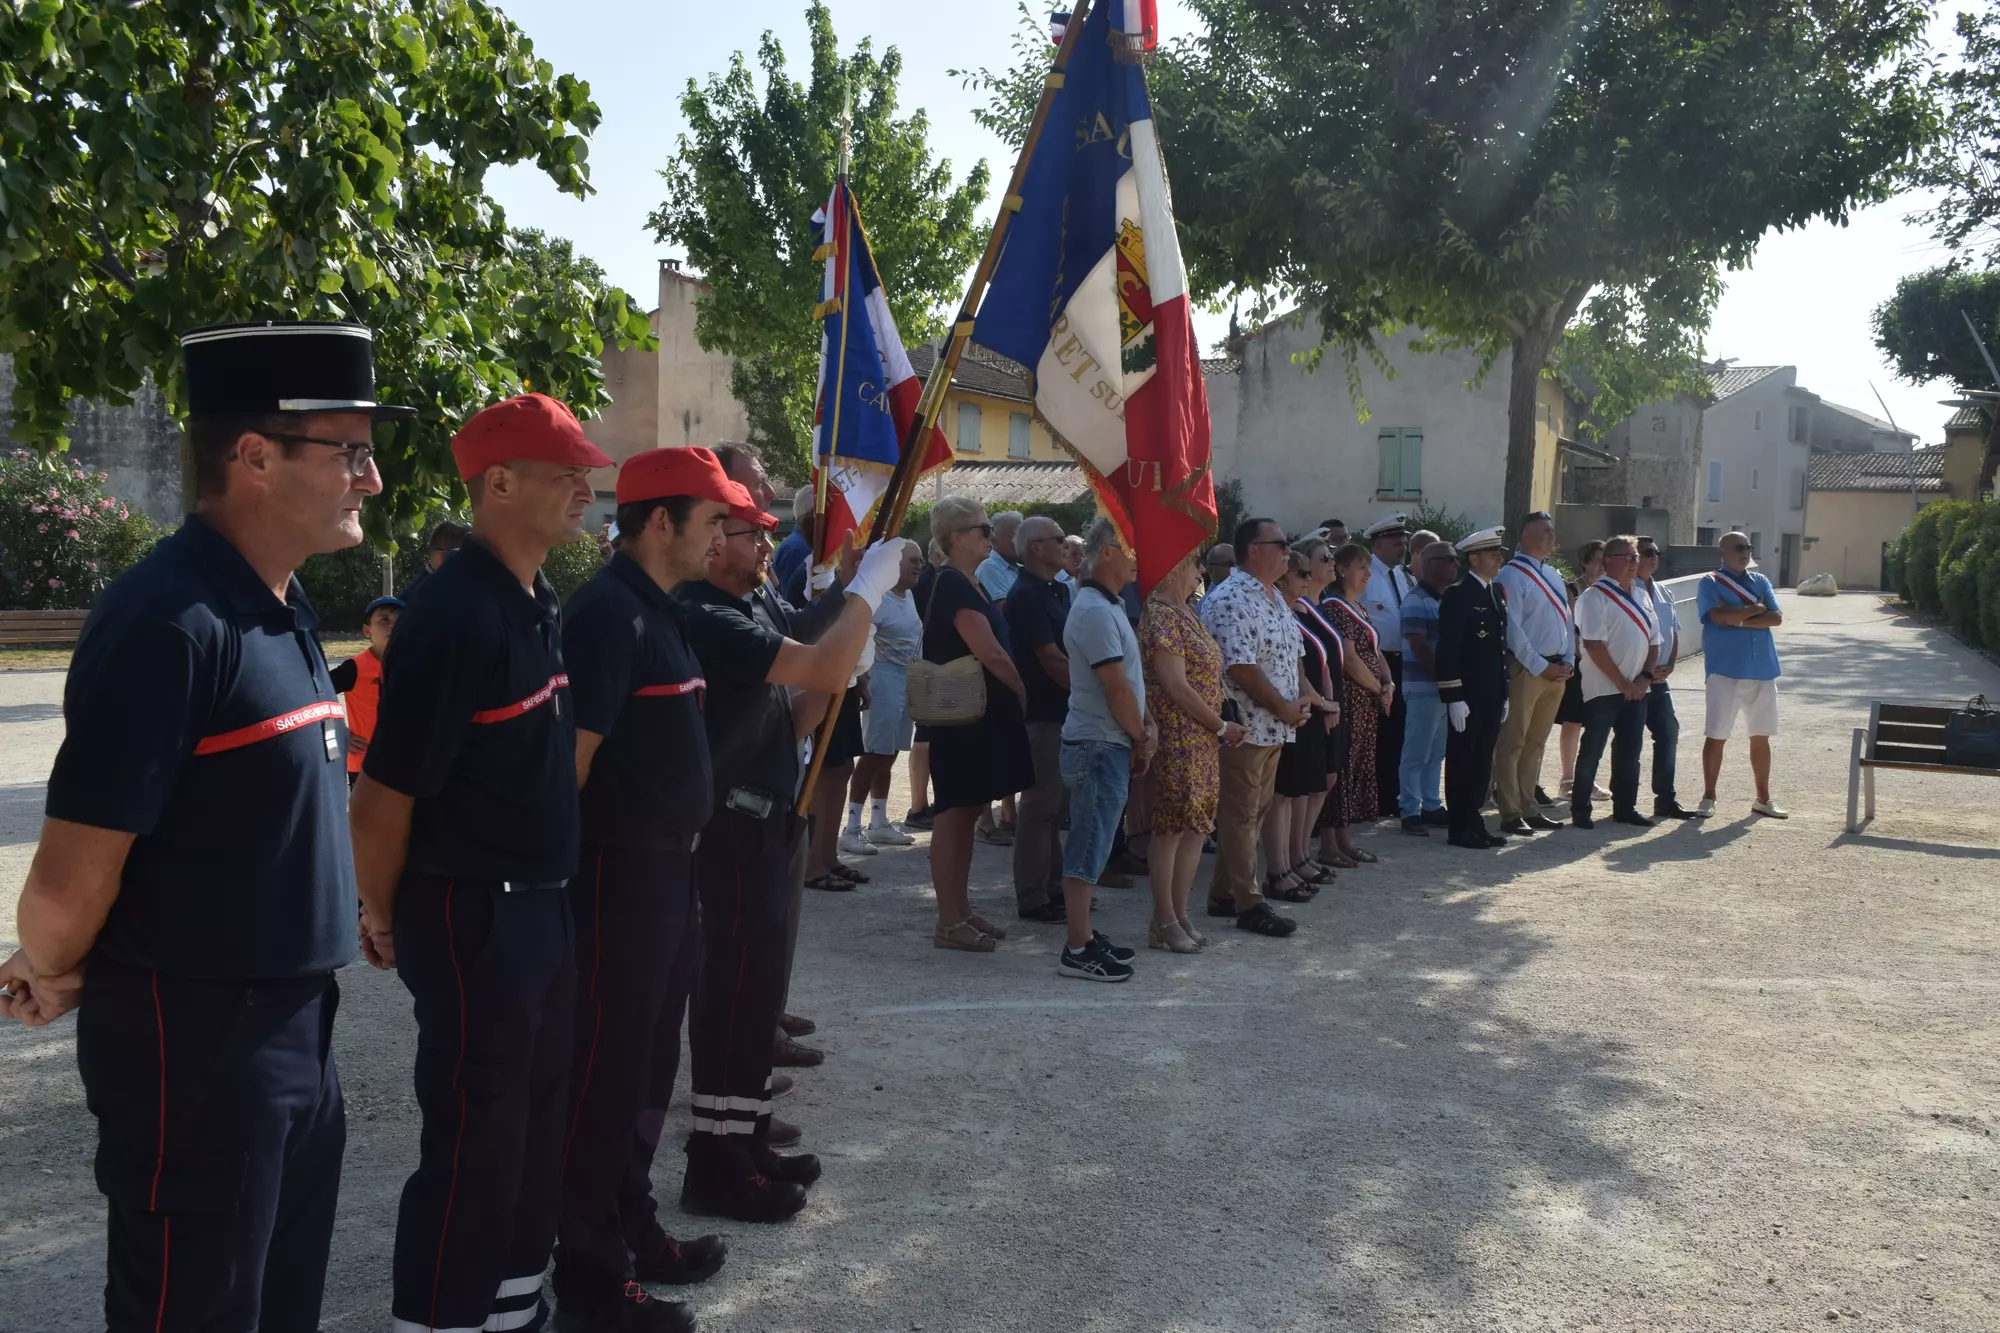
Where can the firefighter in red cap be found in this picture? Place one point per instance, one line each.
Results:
(465, 839)
(642, 762)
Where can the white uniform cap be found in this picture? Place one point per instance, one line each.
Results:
(1382, 527)
(1486, 539)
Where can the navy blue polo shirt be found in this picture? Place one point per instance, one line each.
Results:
(199, 717)
(751, 740)
(476, 724)
(1036, 611)
(637, 684)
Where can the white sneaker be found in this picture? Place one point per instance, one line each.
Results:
(1770, 810)
(888, 835)
(1705, 808)
(854, 844)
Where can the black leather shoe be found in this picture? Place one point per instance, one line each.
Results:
(788, 1054)
(1543, 823)
(1049, 914)
(1672, 809)
(679, 1263)
(1496, 840)
(1516, 826)
(631, 1312)
(1582, 819)
(795, 1026)
(1467, 840)
(1438, 818)
(1221, 909)
(1543, 798)
(1415, 828)
(797, 1169)
(1633, 817)
(1261, 920)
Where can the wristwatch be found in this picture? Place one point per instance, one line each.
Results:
(1222, 730)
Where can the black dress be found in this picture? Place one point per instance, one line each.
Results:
(974, 763)
(1302, 766)
(1571, 707)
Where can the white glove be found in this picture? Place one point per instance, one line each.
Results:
(881, 567)
(1458, 713)
(1504, 706)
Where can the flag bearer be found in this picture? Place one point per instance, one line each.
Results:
(194, 884)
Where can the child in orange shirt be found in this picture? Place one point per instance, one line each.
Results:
(359, 679)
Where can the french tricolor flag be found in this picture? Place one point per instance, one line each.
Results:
(1091, 295)
(867, 392)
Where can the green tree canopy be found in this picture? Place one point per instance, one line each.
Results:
(741, 191)
(1964, 162)
(1922, 328)
(182, 162)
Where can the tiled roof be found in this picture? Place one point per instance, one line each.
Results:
(1014, 483)
(979, 371)
(1735, 379)
(1970, 415)
(1876, 471)
(1871, 421)
(1221, 365)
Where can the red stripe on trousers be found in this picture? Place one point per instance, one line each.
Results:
(451, 1195)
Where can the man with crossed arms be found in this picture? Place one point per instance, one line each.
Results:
(1739, 610)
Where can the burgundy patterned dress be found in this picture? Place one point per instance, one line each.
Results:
(1364, 715)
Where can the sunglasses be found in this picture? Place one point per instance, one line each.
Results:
(1609, 556)
(983, 529)
(359, 456)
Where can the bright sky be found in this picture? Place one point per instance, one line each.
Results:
(1806, 302)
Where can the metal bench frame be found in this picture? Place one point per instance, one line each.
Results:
(1905, 736)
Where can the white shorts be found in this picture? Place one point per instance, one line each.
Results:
(1756, 701)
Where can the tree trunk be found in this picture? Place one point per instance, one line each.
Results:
(1535, 335)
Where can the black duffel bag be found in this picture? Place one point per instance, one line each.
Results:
(1972, 735)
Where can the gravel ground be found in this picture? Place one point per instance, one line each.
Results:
(1733, 1076)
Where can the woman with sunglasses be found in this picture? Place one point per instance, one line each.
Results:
(973, 764)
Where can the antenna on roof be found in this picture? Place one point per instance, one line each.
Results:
(1915, 504)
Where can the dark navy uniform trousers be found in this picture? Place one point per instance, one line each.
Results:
(220, 1131)
(1468, 769)
(638, 950)
(493, 974)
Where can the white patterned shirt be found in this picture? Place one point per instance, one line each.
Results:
(1254, 628)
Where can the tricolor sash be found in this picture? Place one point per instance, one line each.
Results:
(1625, 602)
(1561, 604)
(1745, 592)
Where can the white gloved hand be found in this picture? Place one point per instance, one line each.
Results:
(1458, 713)
(881, 567)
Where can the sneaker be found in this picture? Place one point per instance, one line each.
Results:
(1770, 810)
(783, 1133)
(888, 835)
(997, 835)
(781, 1086)
(1123, 955)
(919, 819)
(633, 1311)
(856, 844)
(1705, 807)
(1093, 962)
(679, 1263)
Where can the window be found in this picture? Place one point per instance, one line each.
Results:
(1017, 434)
(1756, 544)
(1400, 475)
(1796, 428)
(1714, 480)
(1798, 488)
(968, 428)
(1756, 478)
(1708, 536)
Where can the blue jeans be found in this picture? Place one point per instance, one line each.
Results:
(1423, 756)
(1621, 721)
(1098, 775)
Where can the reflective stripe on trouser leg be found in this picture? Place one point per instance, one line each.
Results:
(742, 877)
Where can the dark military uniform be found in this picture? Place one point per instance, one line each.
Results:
(477, 726)
(637, 684)
(201, 718)
(1471, 669)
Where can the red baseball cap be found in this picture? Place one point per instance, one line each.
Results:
(658, 474)
(530, 426)
(750, 513)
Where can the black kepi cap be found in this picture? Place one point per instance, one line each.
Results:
(277, 366)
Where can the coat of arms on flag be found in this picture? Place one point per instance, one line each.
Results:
(1091, 295)
(868, 394)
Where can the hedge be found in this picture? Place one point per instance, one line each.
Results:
(1947, 562)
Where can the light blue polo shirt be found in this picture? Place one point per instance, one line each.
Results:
(1733, 650)
(1097, 632)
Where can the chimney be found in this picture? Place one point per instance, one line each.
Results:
(671, 265)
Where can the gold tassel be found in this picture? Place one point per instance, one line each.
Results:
(825, 308)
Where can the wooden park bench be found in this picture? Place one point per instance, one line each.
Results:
(1905, 736)
(41, 628)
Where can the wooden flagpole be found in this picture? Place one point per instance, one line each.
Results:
(895, 506)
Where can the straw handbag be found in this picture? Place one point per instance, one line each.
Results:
(947, 694)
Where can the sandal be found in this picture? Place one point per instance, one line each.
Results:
(1314, 871)
(848, 873)
(997, 932)
(1365, 857)
(1158, 936)
(966, 937)
(1288, 888)
(1339, 861)
(1187, 929)
(830, 884)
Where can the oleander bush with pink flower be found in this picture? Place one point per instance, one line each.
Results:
(62, 536)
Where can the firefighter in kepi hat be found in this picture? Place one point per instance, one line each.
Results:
(642, 762)
(465, 837)
(194, 884)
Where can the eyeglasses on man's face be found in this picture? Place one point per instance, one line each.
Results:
(728, 535)
(360, 453)
(1609, 556)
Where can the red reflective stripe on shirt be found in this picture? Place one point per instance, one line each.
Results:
(269, 727)
(527, 705)
(688, 686)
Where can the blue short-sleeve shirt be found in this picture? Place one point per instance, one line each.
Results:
(1420, 621)
(1733, 650)
(200, 718)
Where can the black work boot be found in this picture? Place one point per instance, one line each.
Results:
(630, 1311)
(787, 1169)
(723, 1180)
(678, 1263)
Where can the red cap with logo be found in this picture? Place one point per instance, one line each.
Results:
(530, 427)
(658, 474)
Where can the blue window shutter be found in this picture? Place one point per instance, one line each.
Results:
(1389, 472)
(1413, 465)
(1017, 434)
(968, 428)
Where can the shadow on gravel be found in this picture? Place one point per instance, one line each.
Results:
(35, 712)
(1924, 847)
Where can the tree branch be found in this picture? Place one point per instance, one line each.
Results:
(108, 263)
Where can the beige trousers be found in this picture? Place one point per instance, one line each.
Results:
(1524, 737)
(1249, 777)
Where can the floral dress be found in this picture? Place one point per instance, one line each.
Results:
(1358, 800)
(1187, 769)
